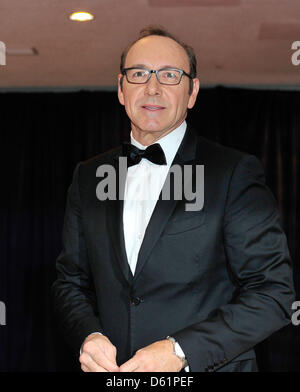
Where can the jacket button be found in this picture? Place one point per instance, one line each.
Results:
(136, 300)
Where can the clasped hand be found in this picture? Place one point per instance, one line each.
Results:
(99, 355)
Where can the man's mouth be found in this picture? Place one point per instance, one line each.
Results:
(153, 107)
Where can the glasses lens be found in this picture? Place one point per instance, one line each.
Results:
(169, 76)
(137, 75)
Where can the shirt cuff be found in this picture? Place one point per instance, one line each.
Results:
(179, 352)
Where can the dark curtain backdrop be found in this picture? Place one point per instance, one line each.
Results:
(44, 135)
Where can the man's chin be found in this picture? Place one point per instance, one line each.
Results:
(148, 128)
(152, 127)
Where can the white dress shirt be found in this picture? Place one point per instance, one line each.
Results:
(143, 185)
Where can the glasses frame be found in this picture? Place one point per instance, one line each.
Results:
(151, 71)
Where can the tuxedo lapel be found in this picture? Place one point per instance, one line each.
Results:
(115, 224)
(164, 208)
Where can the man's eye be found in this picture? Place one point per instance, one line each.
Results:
(170, 75)
(139, 74)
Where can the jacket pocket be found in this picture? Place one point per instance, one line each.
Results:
(185, 222)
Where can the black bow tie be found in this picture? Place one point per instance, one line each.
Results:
(153, 153)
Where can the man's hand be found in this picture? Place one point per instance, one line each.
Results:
(98, 355)
(157, 357)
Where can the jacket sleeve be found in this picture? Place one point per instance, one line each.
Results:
(73, 292)
(260, 265)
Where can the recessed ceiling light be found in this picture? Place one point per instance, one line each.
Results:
(81, 16)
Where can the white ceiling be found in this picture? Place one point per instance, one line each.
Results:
(241, 42)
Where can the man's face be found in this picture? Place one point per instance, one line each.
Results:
(153, 107)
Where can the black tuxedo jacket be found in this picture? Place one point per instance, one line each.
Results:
(218, 280)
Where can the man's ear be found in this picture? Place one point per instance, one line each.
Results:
(120, 89)
(193, 96)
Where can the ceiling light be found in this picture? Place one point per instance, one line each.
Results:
(81, 16)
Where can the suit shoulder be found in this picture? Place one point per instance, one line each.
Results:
(222, 155)
(224, 162)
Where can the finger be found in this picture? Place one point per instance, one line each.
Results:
(84, 368)
(101, 360)
(130, 366)
(89, 363)
(99, 356)
(111, 355)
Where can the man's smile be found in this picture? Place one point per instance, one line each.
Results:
(153, 107)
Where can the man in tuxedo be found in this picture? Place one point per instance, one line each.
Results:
(146, 284)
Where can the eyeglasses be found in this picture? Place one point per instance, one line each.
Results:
(170, 76)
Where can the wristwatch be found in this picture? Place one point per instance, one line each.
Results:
(178, 352)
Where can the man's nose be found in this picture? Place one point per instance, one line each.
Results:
(153, 86)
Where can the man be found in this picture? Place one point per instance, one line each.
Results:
(146, 285)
